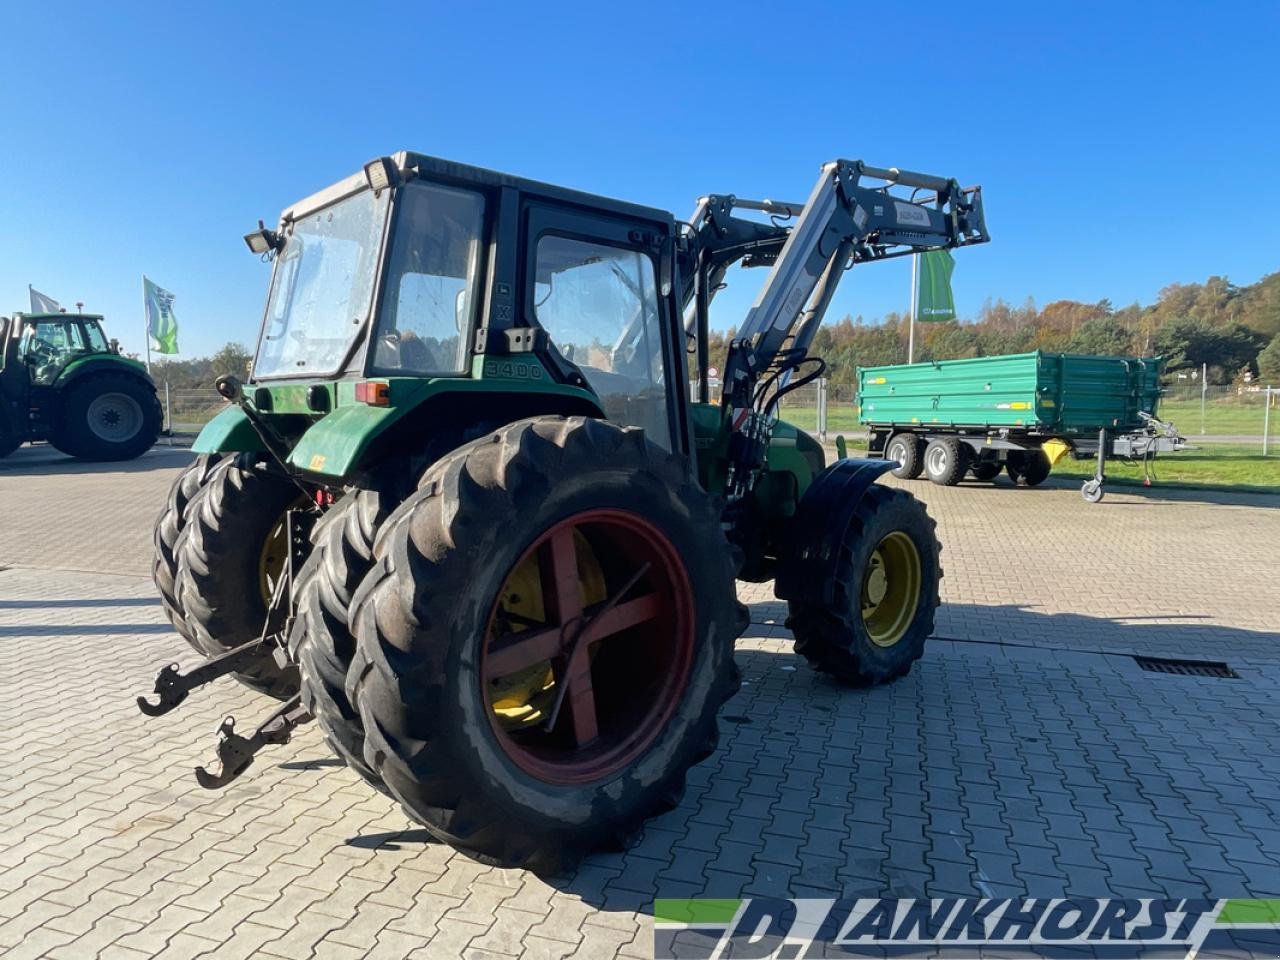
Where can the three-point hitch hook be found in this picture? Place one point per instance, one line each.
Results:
(235, 752)
(172, 686)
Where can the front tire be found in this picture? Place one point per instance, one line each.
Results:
(108, 416)
(514, 547)
(885, 598)
(230, 553)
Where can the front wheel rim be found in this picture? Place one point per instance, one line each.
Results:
(891, 589)
(114, 417)
(624, 661)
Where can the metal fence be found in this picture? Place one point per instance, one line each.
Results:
(187, 410)
(1247, 414)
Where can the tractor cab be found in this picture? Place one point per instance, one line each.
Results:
(46, 343)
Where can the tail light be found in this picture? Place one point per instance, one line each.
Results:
(374, 393)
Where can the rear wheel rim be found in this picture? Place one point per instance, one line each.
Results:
(891, 587)
(898, 451)
(624, 661)
(114, 417)
(938, 460)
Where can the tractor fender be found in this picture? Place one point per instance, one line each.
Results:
(806, 567)
(77, 369)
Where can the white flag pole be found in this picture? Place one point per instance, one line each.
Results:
(146, 325)
(911, 315)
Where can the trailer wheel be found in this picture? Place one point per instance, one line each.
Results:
(886, 594)
(946, 459)
(485, 712)
(1091, 490)
(907, 449)
(320, 641)
(1030, 469)
(985, 470)
(164, 567)
(231, 550)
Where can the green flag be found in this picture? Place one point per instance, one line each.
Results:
(934, 302)
(162, 325)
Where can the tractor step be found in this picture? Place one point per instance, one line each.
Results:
(172, 686)
(235, 752)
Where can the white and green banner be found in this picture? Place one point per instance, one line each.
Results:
(934, 302)
(162, 325)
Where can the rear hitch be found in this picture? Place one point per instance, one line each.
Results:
(235, 752)
(173, 686)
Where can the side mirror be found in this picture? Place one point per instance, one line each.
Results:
(229, 387)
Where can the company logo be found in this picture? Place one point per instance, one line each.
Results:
(961, 928)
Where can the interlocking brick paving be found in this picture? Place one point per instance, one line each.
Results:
(1026, 754)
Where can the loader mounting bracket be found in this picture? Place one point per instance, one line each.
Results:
(235, 752)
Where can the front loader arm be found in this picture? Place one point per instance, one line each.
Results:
(844, 222)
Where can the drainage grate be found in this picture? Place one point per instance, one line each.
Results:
(1187, 668)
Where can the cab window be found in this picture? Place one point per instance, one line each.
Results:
(430, 288)
(599, 304)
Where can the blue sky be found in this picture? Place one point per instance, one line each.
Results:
(1120, 146)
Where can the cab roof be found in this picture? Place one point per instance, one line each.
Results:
(409, 165)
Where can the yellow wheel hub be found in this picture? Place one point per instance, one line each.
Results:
(523, 698)
(891, 588)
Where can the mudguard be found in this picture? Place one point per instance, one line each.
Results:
(101, 363)
(807, 567)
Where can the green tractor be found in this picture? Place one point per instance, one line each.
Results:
(465, 515)
(62, 381)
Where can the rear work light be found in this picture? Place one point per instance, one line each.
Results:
(374, 393)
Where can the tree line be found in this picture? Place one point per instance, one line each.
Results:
(1231, 329)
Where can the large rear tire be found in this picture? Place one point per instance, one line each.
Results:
(467, 632)
(321, 641)
(108, 416)
(164, 566)
(885, 598)
(230, 551)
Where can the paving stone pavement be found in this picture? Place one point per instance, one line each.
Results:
(1027, 754)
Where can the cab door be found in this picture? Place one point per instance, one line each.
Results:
(599, 286)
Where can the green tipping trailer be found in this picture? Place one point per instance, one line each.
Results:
(1021, 413)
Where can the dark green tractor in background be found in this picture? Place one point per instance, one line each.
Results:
(466, 516)
(62, 381)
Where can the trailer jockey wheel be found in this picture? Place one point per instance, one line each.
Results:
(1091, 490)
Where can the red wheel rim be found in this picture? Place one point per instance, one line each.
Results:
(618, 666)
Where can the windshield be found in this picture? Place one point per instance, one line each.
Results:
(48, 345)
(322, 287)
